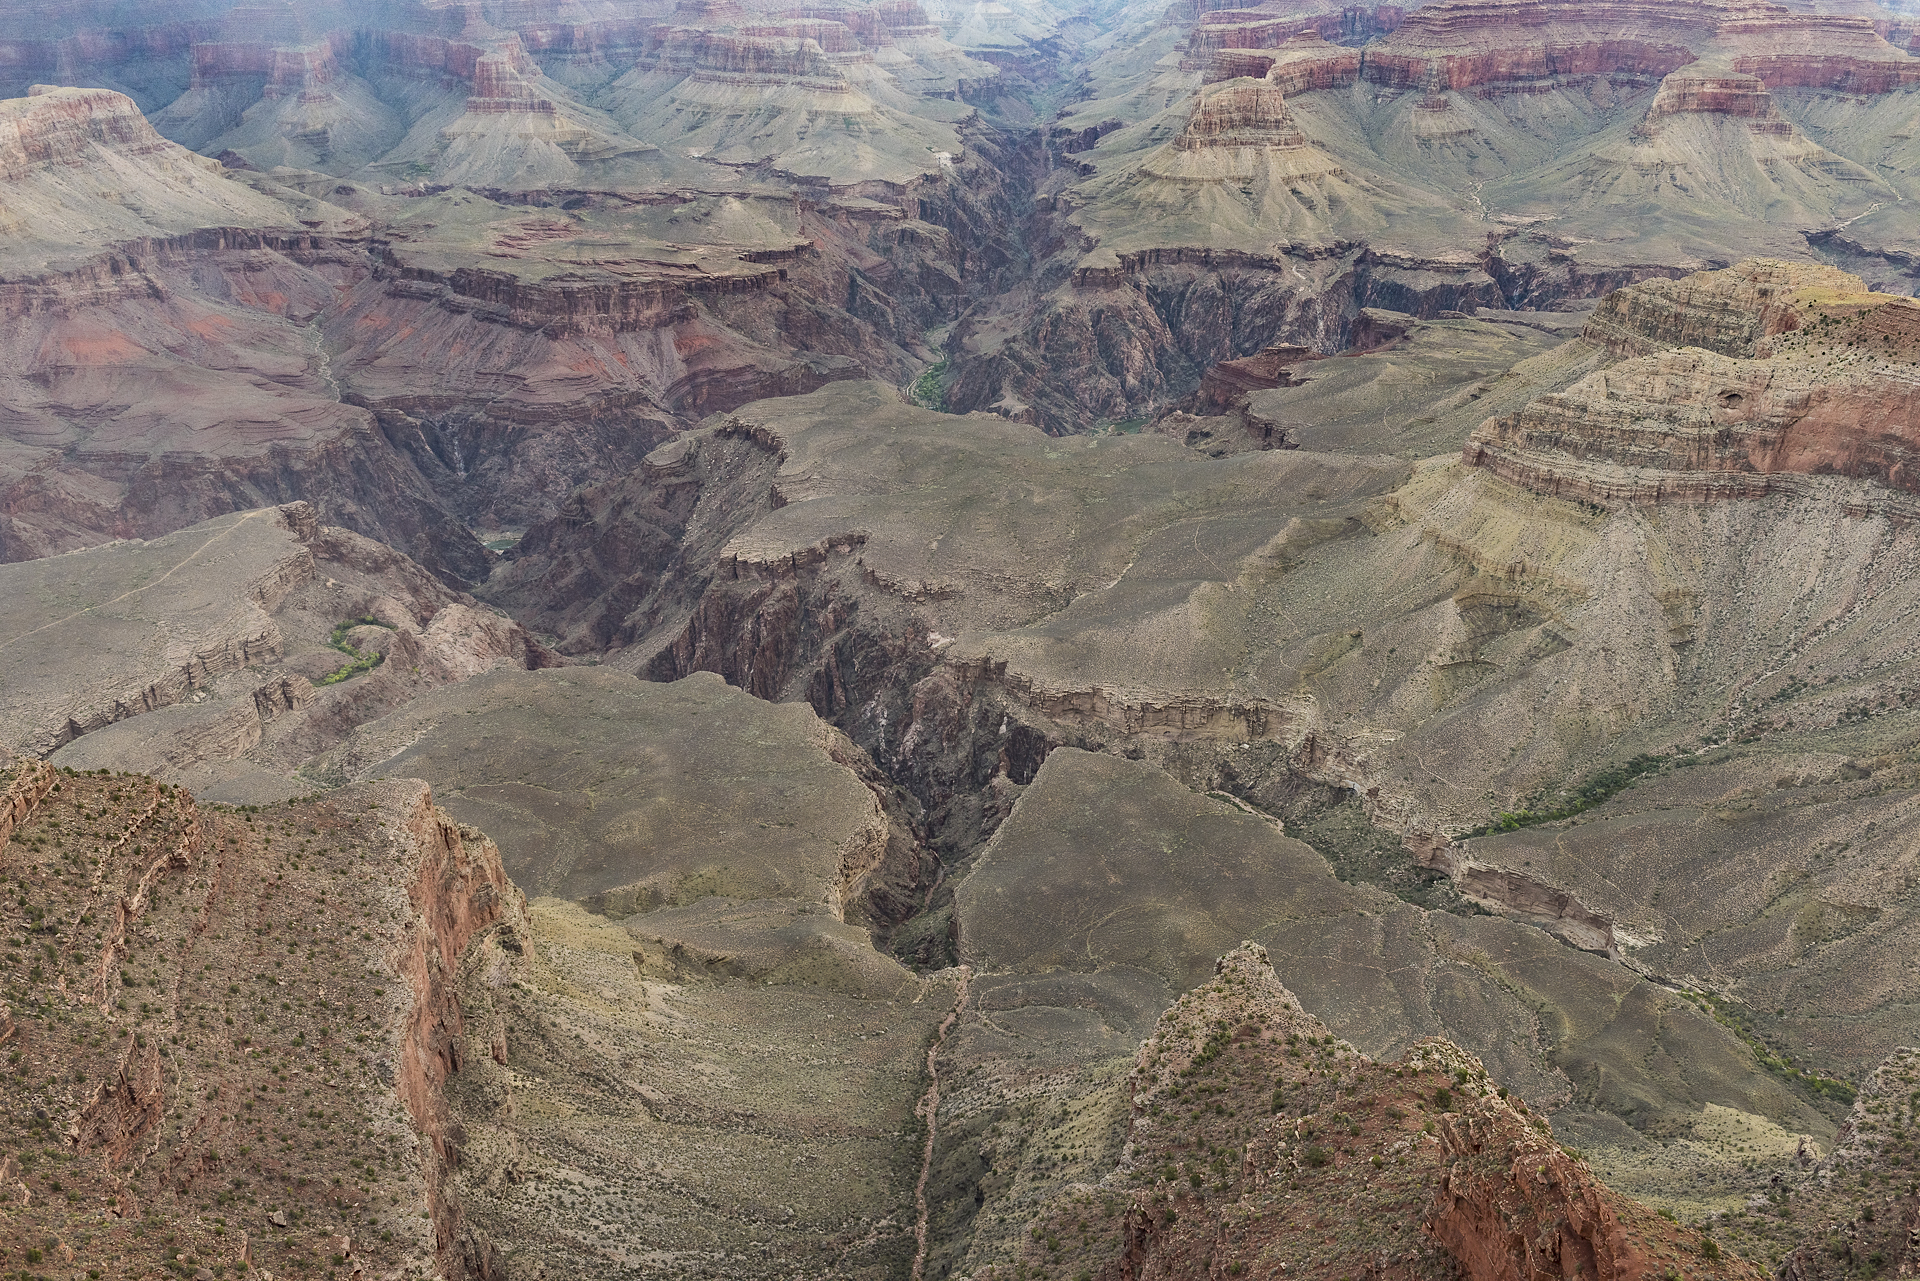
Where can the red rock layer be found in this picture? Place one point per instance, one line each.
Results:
(1742, 96)
(878, 24)
(832, 37)
(1244, 113)
(1819, 51)
(1228, 380)
(1466, 44)
(1832, 71)
(90, 53)
(1259, 1145)
(1744, 410)
(1260, 29)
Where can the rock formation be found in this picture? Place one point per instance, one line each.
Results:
(165, 1091)
(1791, 373)
(1258, 1141)
(233, 666)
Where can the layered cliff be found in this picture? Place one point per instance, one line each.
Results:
(1241, 114)
(237, 664)
(1470, 44)
(1254, 27)
(1758, 379)
(69, 156)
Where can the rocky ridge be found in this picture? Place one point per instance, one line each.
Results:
(223, 654)
(147, 1127)
(1257, 1142)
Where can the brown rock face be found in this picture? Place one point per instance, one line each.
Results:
(1242, 114)
(1231, 379)
(1465, 44)
(1512, 1206)
(155, 1104)
(1729, 312)
(1263, 28)
(63, 129)
(1788, 373)
(1470, 43)
(1742, 97)
(1260, 1146)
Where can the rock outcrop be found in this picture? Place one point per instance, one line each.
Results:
(174, 1090)
(216, 652)
(1243, 113)
(1256, 1140)
(1754, 380)
(1255, 27)
(1476, 44)
(1863, 1195)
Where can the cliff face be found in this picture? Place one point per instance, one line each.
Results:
(67, 159)
(1742, 97)
(1863, 1197)
(1255, 1140)
(222, 980)
(1467, 44)
(1781, 373)
(1241, 114)
(1257, 28)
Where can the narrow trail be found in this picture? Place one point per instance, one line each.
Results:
(145, 587)
(929, 1107)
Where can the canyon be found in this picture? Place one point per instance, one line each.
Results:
(905, 640)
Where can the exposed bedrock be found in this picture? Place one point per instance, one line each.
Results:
(1254, 28)
(1246, 113)
(226, 344)
(177, 886)
(1755, 380)
(1487, 44)
(1479, 1191)
(171, 380)
(1138, 337)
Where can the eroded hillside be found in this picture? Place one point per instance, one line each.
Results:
(917, 529)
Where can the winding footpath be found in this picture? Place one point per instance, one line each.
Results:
(929, 1108)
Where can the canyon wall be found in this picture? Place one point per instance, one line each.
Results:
(1754, 381)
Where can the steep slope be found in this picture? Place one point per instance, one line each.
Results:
(692, 1057)
(1256, 1141)
(67, 156)
(1815, 379)
(226, 1055)
(1432, 643)
(163, 364)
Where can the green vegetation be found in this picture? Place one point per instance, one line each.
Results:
(1735, 1019)
(929, 390)
(359, 662)
(1597, 790)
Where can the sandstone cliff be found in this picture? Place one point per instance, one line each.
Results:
(1789, 373)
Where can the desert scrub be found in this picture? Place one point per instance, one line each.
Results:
(359, 662)
(1597, 790)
